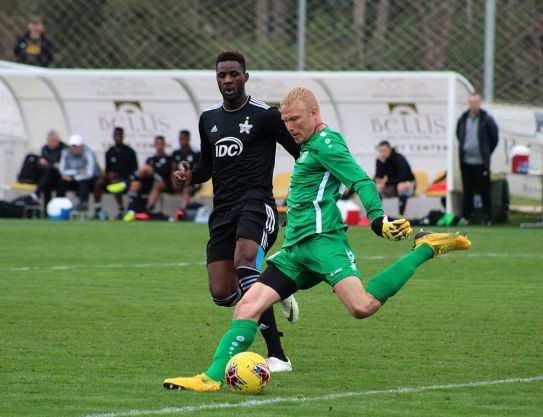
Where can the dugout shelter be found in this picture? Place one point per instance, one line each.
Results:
(415, 111)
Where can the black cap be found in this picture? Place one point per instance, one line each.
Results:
(184, 132)
(118, 130)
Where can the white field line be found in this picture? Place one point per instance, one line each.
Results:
(256, 403)
(105, 266)
(185, 264)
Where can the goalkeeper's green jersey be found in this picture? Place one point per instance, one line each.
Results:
(325, 163)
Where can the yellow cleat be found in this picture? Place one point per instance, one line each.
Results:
(116, 188)
(441, 242)
(130, 216)
(198, 383)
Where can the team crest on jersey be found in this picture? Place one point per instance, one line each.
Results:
(246, 126)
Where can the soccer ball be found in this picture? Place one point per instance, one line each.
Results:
(247, 373)
(59, 208)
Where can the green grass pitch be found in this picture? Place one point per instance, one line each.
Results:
(93, 316)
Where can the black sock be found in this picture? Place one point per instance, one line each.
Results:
(271, 335)
(402, 204)
(132, 197)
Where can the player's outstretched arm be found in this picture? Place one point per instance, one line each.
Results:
(397, 230)
(335, 156)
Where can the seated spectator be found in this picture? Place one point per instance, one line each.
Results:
(121, 165)
(78, 170)
(33, 47)
(48, 167)
(187, 154)
(400, 181)
(153, 178)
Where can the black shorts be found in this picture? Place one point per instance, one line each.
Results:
(279, 281)
(148, 182)
(255, 220)
(169, 185)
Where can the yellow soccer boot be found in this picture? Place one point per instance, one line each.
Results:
(198, 383)
(441, 242)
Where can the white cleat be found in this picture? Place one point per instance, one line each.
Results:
(277, 365)
(289, 308)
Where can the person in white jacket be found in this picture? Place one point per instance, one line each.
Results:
(78, 169)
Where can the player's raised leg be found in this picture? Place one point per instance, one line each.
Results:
(364, 303)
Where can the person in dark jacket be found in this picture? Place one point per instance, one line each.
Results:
(34, 47)
(152, 179)
(121, 164)
(48, 165)
(400, 181)
(477, 134)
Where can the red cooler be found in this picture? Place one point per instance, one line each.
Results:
(520, 161)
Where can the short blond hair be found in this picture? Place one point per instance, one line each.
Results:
(305, 95)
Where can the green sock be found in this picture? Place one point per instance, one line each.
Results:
(237, 339)
(384, 285)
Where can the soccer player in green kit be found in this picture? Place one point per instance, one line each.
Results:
(316, 247)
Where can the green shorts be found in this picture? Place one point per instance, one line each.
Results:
(321, 257)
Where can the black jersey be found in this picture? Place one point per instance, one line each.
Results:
(122, 160)
(238, 151)
(52, 155)
(162, 165)
(395, 168)
(188, 155)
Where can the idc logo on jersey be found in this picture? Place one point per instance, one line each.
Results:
(229, 146)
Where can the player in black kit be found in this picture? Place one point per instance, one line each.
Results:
(153, 178)
(185, 153)
(121, 163)
(238, 142)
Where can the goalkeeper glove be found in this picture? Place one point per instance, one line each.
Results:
(396, 230)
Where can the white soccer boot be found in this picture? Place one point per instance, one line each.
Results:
(277, 365)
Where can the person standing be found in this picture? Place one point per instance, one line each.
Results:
(238, 143)
(477, 134)
(33, 47)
